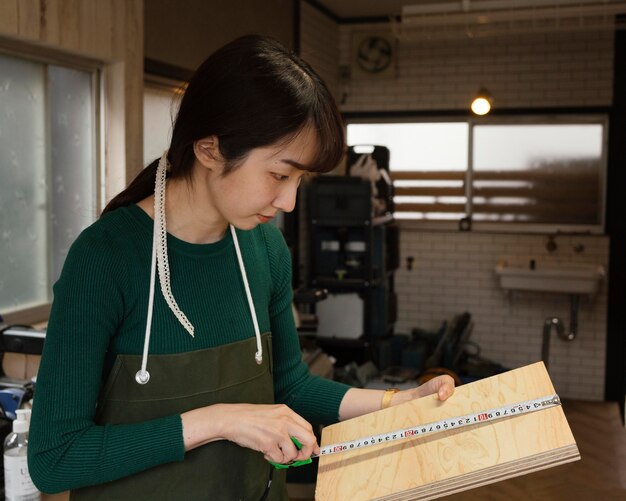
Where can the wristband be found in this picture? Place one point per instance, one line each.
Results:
(387, 396)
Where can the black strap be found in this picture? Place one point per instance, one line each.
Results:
(269, 484)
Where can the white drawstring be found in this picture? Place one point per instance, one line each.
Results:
(159, 257)
(259, 349)
(143, 376)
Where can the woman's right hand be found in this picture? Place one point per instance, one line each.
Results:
(264, 428)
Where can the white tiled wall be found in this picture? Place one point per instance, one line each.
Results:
(319, 44)
(520, 71)
(454, 272)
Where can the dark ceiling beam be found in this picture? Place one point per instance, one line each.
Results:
(348, 20)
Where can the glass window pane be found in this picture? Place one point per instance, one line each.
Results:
(48, 169)
(23, 201)
(428, 162)
(72, 159)
(546, 174)
(160, 106)
(416, 146)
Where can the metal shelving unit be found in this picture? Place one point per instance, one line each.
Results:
(350, 254)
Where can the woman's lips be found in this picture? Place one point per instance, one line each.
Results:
(264, 219)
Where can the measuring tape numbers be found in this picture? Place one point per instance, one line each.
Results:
(447, 424)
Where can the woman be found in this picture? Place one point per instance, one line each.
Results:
(160, 377)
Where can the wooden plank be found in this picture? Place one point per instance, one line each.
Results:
(103, 30)
(457, 175)
(453, 461)
(436, 207)
(573, 174)
(540, 209)
(134, 88)
(50, 23)
(8, 17)
(600, 475)
(69, 24)
(428, 191)
(563, 191)
(589, 191)
(119, 30)
(28, 19)
(87, 21)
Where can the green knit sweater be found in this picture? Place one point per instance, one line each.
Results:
(99, 311)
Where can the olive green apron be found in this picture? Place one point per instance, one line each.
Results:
(180, 382)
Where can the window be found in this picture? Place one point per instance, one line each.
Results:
(428, 163)
(161, 99)
(48, 169)
(536, 175)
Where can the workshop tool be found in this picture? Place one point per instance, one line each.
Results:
(421, 430)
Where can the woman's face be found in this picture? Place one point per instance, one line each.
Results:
(265, 183)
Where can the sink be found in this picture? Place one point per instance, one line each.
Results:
(537, 275)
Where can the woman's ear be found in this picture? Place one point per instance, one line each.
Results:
(207, 152)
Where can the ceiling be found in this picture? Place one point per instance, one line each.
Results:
(439, 19)
(393, 8)
(365, 8)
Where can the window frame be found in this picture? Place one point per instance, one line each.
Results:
(160, 83)
(39, 313)
(527, 118)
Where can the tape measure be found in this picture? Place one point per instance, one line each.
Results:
(447, 424)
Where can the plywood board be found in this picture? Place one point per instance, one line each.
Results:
(433, 466)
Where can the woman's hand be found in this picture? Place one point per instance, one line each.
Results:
(264, 428)
(359, 401)
(442, 386)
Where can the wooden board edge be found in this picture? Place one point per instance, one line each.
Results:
(488, 476)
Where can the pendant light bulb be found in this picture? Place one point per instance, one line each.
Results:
(481, 105)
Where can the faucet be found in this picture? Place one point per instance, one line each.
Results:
(557, 323)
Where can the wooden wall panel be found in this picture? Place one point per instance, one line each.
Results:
(134, 55)
(103, 30)
(28, 19)
(69, 24)
(183, 34)
(49, 20)
(8, 17)
(87, 17)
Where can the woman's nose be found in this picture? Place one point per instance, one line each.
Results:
(286, 200)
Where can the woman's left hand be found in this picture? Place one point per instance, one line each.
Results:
(442, 386)
(359, 401)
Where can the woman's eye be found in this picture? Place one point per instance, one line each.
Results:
(279, 177)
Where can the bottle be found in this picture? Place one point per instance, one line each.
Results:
(18, 485)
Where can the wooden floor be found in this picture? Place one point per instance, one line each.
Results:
(599, 476)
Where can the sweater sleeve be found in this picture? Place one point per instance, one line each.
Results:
(316, 399)
(67, 449)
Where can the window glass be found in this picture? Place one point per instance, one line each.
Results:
(428, 162)
(538, 173)
(23, 201)
(160, 105)
(72, 197)
(47, 168)
(548, 174)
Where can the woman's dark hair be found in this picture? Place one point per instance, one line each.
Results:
(251, 93)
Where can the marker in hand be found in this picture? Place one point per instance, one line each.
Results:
(281, 466)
